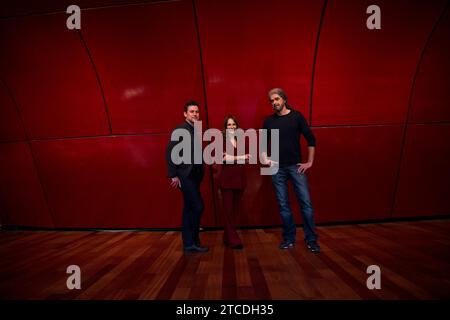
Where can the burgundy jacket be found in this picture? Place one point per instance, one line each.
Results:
(232, 176)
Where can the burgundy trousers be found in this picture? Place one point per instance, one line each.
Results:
(230, 201)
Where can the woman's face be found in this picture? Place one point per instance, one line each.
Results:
(231, 125)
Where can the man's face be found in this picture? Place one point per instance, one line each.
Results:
(192, 114)
(278, 103)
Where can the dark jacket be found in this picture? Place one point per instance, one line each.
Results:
(183, 170)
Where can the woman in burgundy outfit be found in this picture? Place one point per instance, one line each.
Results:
(231, 182)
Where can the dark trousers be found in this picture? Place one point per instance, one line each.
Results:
(192, 210)
(230, 200)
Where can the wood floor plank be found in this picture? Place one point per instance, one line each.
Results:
(414, 258)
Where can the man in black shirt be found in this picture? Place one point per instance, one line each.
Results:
(291, 124)
(187, 175)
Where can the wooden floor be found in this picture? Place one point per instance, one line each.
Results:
(414, 258)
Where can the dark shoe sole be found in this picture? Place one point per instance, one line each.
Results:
(290, 246)
(313, 250)
(195, 249)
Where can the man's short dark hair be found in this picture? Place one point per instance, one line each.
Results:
(190, 103)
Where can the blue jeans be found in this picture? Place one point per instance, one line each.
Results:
(300, 182)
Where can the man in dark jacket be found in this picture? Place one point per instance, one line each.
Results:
(185, 169)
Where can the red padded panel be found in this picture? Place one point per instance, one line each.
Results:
(149, 67)
(21, 7)
(114, 182)
(10, 126)
(21, 196)
(353, 176)
(423, 188)
(48, 71)
(148, 53)
(431, 99)
(249, 47)
(365, 76)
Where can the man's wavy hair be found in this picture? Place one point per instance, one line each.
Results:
(281, 93)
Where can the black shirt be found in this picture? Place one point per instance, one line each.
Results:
(290, 127)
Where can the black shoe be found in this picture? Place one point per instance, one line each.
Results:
(195, 249)
(286, 244)
(313, 246)
(237, 246)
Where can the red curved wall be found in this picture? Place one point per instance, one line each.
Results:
(85, 115)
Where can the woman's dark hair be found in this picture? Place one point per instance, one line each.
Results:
(225, 122)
